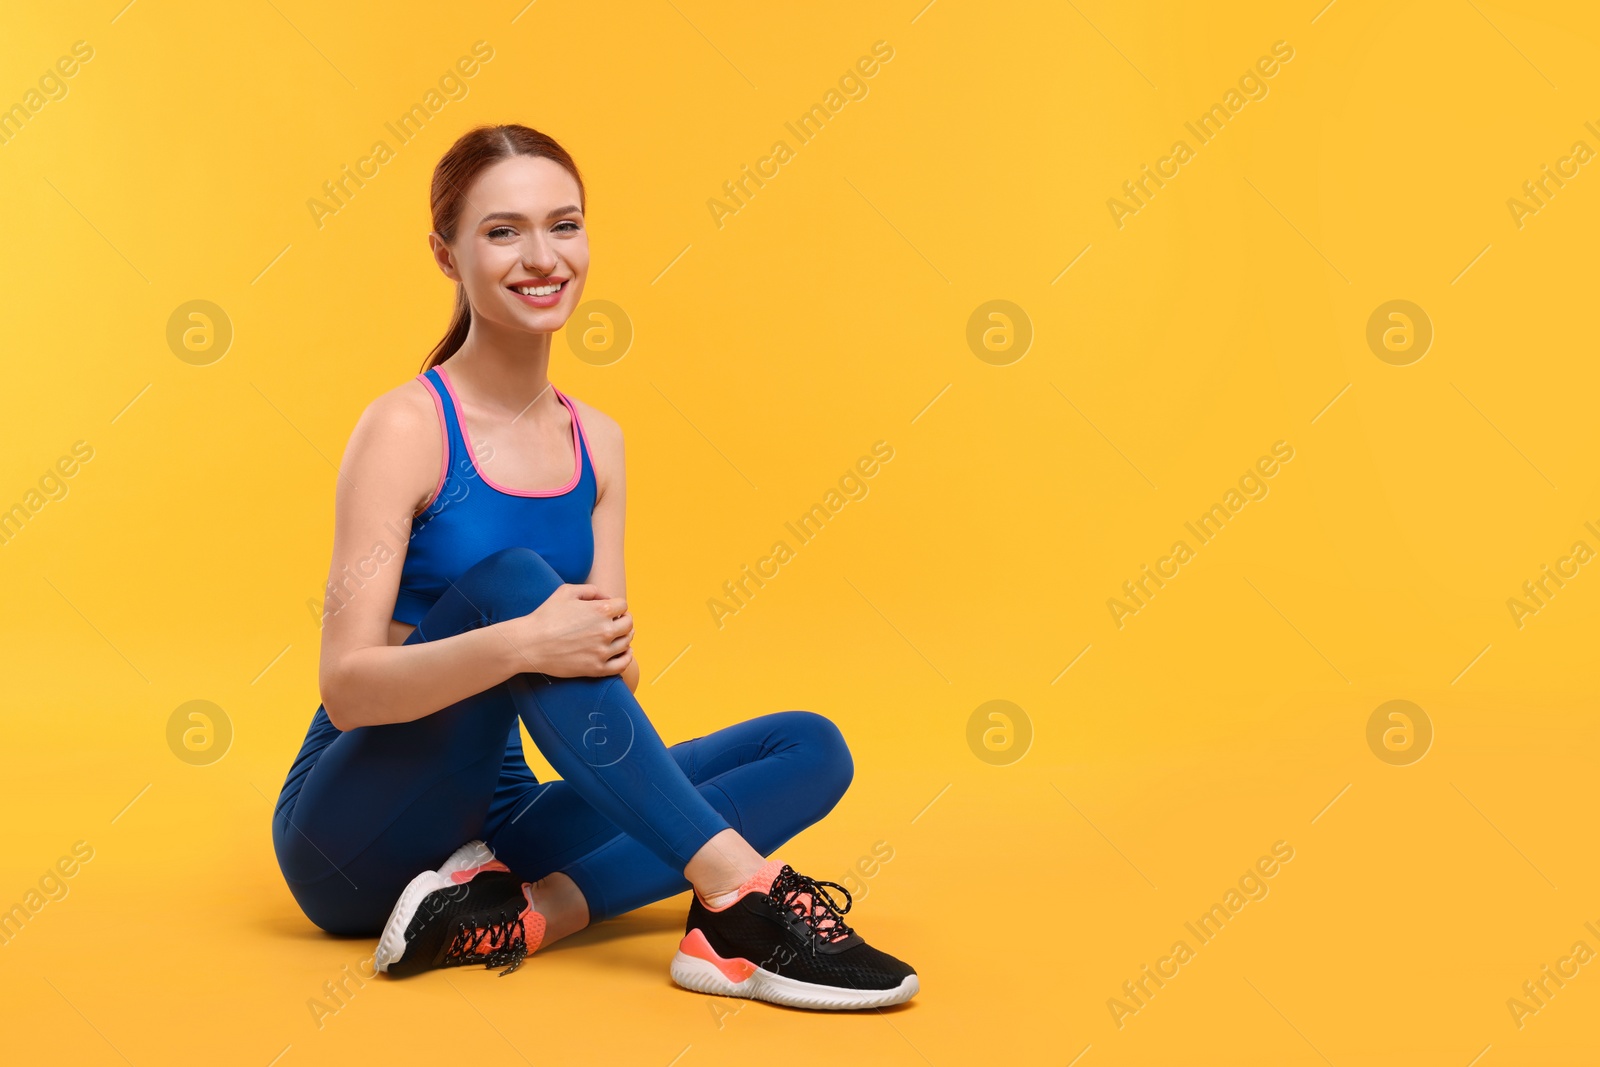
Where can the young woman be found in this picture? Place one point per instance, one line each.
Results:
(477, 580)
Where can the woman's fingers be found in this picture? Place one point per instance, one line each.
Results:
(620, 640)
(611, 605)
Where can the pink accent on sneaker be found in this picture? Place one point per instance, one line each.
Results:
(532, 922)
(760, 882)
(734, 970)
(470, 873)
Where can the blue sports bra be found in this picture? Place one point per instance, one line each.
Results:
(470, 517)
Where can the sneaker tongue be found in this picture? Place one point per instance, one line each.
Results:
(803, 905)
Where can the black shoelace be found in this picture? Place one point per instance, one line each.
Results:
(505, 936)
(790, 883)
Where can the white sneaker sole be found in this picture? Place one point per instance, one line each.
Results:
(392, 942)
(703, 976)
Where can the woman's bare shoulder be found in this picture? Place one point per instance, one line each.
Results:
(604, 437)
(398, 435)
(399, 414)
(600, 429)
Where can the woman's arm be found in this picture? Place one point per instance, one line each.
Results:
(390, 468)
(605, 450)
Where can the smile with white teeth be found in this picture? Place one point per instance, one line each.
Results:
(540, 290)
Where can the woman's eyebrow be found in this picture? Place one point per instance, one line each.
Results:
(517, 216)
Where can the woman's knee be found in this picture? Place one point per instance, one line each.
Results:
(332, 914)
(516, 563)
(510, 582)
(329, 899)
(825, 743)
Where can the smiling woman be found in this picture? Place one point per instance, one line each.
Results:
(403, 815)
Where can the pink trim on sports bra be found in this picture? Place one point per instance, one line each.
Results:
(466, 436)
(444, 443)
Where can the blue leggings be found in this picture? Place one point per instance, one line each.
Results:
(364, 810)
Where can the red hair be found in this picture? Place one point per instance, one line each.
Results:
(473, 152)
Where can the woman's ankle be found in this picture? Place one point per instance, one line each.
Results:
(722, 866)
(558, 898)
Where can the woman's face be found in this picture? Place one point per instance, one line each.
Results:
(520, 228)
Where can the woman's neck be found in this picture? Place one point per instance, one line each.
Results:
(511, 377)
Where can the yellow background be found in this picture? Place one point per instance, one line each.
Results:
(770, 353)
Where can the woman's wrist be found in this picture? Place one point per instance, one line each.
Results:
(518, 643)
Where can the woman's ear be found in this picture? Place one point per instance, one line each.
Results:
(443, 256)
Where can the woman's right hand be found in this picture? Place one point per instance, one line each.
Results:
(577, 632)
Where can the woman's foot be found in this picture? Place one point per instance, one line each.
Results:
(471, 910)
(783, 939)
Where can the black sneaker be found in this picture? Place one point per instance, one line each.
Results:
(784, 940)
(471, 910)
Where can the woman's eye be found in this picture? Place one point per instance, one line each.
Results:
(500, 229)
(567, 222)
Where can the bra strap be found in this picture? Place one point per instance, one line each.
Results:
(447, 404)
(577, 432)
